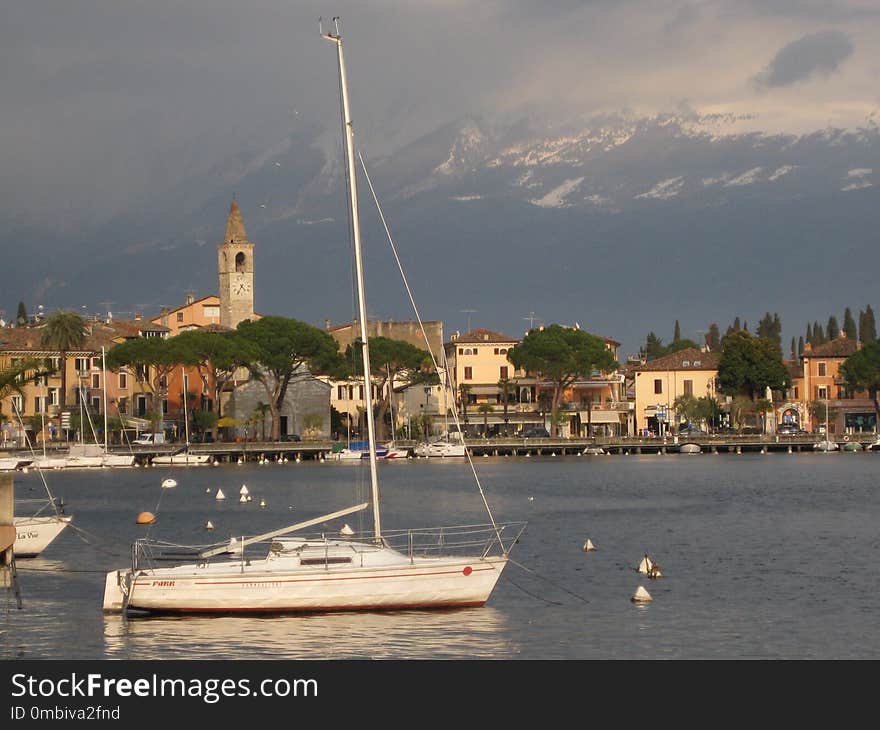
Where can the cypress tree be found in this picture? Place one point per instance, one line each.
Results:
(676, 336)
(867, 326)
(713, 338)
(809, 337)
(832, 331)
(849, 325)
(800, 350)
(793, 349)
(21, 318)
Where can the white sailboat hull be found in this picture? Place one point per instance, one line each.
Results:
(34, 534)
(183, 459)
(440, 449)
(119, 460)
(424, 583)
(12, 463)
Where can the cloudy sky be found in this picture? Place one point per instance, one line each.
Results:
(106, 100)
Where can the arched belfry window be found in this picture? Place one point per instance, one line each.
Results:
(239, 262)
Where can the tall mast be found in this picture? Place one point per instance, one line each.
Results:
(348, 137)
(104, 383)
(185, 408)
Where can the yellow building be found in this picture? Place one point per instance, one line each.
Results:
(659, 382)
(38, 409)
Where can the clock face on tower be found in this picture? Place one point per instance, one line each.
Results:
(240, 286)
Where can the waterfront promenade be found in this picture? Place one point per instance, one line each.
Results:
(269, 451)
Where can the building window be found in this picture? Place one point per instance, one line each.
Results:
(96, 405)
(340, 392)
(54, 399)
(821, 367)
(689, 387)
(96, 380)
(658, 386)
(180, 316)
(461, 351)
(141, 371)
(475, 351)
(163, 382)
(211, 311)
(468, 373)
(502, 351)
(165, 406)
(39, 404)
(81, 364)
(822, 392)
(795, 392)
(17, 404)
(496, 351)
(123, 380)
(360, 392)
(503, 371)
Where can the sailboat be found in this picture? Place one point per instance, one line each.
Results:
(183, 458)
(826, 444)
(340, 570)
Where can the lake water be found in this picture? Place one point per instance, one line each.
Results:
(771, 556)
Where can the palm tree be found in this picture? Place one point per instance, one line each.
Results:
(506, 386)
(464, 390)
(64, 331)
(13, 377)
(260, 412)
(485, 409)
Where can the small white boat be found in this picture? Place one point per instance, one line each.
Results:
(14, 463)
(825, 445)
(182, 459)
(690, 449)
(441, 448)
(593, 451)
(35, 534)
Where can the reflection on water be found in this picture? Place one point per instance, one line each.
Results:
(479, 633)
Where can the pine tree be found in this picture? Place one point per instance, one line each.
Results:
(832, 331)
(849, 325)
(21, 318)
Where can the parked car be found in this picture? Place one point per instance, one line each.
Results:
(789, 429)
(692, 432)
(291, 437)
(536, 433)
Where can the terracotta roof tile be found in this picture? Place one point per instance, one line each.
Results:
(695, 358)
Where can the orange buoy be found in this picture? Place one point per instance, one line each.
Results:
(146, 518)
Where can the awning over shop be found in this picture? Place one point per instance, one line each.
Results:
(600, 417)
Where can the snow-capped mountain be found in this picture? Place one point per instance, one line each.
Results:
(625, 222)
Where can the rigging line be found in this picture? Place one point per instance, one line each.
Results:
(533, 595)
(542, 577)
(427, 342)
(34, 454)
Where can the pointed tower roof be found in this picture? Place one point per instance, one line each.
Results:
(235, 232)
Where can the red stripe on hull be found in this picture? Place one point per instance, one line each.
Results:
(323, 609)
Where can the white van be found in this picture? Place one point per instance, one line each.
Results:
(149, 439)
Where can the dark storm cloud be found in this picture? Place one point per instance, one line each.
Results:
(819, 53)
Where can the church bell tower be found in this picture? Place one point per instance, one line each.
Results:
(235, 265)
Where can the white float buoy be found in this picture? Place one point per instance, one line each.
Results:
(588, 546)
(641, 595)
(346, 530)
(248, 498)
(168, 483)
(262, 503)
(244, 489)
(242, 498)
(240, 461)
(531, 499)
(220, 494)
(207, 490)
(209, 525)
